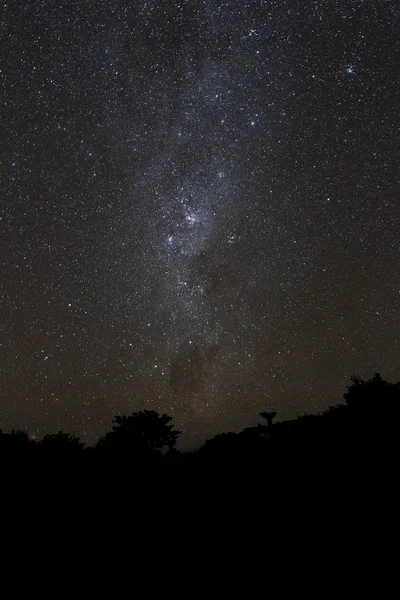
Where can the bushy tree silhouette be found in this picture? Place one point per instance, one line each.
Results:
(366, 395)
(142, 434)
(15, 441)
(374, 407)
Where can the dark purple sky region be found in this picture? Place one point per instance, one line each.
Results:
(199, 209)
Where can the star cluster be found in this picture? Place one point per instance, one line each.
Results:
(199, 209)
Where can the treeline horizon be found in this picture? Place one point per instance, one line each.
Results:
(367, 419)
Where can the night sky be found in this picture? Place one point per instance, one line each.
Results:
(199, 209)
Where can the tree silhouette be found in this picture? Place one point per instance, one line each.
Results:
(16, 440)
(373, 396)
(269, 416)
(374, 408)
(142, 434)
(366, 394)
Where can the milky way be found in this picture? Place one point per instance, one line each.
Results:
(199, 209)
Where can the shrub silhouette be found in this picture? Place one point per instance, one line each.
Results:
(374, 408)
(15, 442)
(142, 434)
(365, 396)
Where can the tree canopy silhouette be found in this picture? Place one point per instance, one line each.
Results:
(366, 395)
(374, 407)
(142, 434)
(16, 440)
